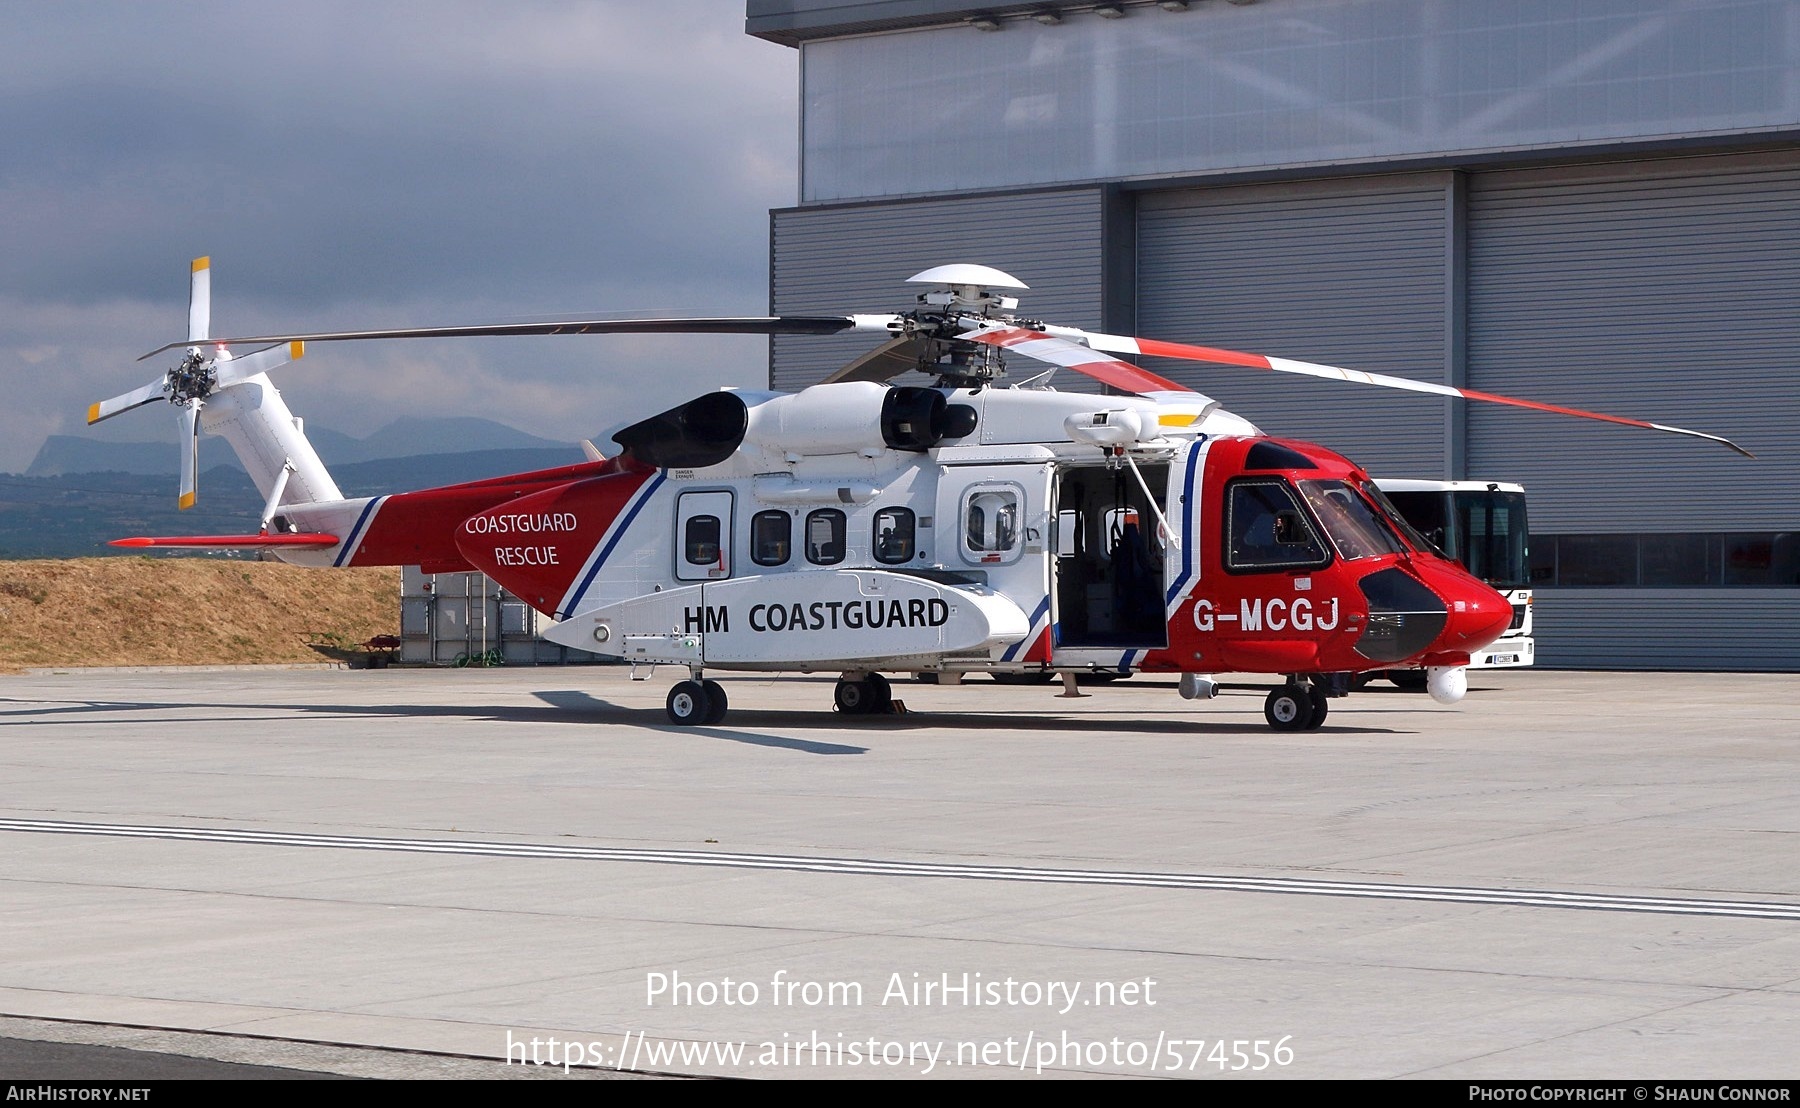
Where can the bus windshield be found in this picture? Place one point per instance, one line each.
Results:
(1484, 529)
(1491, 537)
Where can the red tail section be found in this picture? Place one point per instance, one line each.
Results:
(423, 528)
(538, 545)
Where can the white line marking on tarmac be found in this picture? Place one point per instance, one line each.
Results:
(1522, 898)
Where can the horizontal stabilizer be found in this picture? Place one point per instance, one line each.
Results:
(220, 542)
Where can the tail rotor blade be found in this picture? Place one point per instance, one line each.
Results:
(136, 398)
(230, 372)
(189, 422)
(200, 299)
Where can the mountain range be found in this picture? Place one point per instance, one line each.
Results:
(405, 437)
(79, 493)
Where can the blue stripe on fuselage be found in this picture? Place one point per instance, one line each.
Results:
(1187, 523)
(1043, 609)
(606, 551)
(357, 531)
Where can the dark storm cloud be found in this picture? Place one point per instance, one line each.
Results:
(368, 164)
(343, 149)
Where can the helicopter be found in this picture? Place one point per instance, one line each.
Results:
(869, 528)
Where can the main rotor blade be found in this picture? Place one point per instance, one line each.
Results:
(1125, 344)
(722, 325)
(136, 398)
(189, 423)
(885, 362)
(199, 299)
(1071, 355)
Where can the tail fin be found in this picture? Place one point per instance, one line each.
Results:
(270, 441)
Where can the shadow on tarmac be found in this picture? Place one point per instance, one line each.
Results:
(577, 706)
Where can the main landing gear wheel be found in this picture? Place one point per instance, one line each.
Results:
(1321, 707)
(689, 703)
(868, 697)
(1292, 707)
(716, 702)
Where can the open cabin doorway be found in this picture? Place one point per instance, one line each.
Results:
(1109, 562)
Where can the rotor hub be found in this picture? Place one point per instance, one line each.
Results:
(194, 379)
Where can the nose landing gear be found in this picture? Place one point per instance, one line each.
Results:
(1297, 706)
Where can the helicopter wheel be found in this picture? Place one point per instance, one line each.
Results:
(691, 703)
(716, 702)
(868, 697)
(1321, 707)
(1289, 708)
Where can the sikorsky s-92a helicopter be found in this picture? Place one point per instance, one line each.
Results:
(868, 528)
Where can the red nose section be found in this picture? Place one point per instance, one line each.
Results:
(537, 545)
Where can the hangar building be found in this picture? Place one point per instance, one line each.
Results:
(1587, 202)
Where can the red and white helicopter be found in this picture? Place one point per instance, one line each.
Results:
(868, 528)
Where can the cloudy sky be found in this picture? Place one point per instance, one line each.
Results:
(352, 164)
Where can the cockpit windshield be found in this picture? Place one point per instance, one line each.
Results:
(1354, 527)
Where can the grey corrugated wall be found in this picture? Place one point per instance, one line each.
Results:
(1755, 630)
(857, 259)
(1665, 290)
(1348, 272)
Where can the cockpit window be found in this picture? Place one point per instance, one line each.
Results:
(1265, 529)
(1353, 526)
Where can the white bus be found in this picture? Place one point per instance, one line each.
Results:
(1482, 525)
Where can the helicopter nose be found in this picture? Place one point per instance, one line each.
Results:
(1477, 615)
(1429, 611)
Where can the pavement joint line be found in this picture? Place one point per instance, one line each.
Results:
(1529, 898)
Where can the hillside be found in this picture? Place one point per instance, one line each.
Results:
(139, 611)
(74, 515)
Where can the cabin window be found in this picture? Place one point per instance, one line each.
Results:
(700, 541)
(992, 521)
(825, 537)
(703, 535)
(771, 538)
(895, 530)
(1265, 529)
(992, 524)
